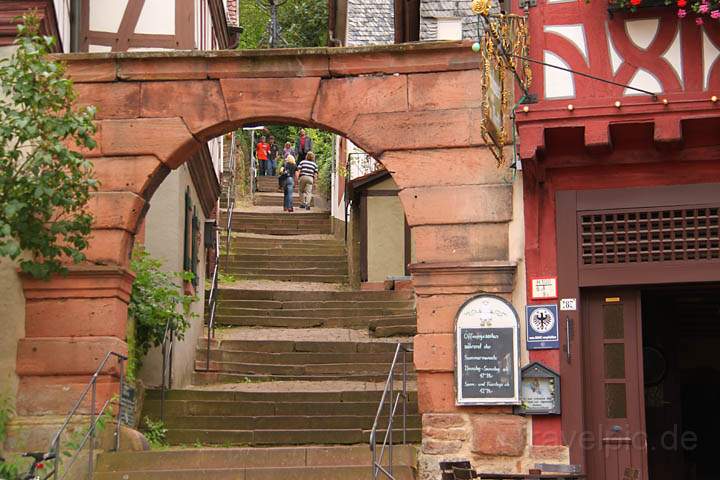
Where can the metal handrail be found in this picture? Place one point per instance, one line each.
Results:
(393, 401)
(212, 297)
(90, 388)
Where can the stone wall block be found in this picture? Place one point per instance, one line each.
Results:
(434, 352)
(443, 420)
(446, 433)
(81, 317)
(457, 204)
(266, 64)
(431, 446)
(132, 174)
(80, 355)
(115, 210)
(456, 243)
(168, 139)
(90, 70)
(436, 392)
(499, 435)
(112, 99)
(161, 66)
(444, 90)
(57, 395)
(379, 132)
(272, 98)
(406, 59)
(340, 100)
(109, 247)
(199, 103)
(451, 166)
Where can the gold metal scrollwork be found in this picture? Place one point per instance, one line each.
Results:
(503, 46)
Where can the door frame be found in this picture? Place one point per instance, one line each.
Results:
(568, 203)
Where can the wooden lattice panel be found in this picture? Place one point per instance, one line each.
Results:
(651, 235)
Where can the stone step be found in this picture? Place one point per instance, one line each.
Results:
(288, 248)
(295, 277)
(300, 346)
(286, 463)
(279, 437)
(281, 230)
(397, 315)
(405, 325)
(298, 359)
(285, 220)
(320, 304)
(287, 268)
(201, 377)
(322, 371)
(401, 472)
(281, 422)
(277, 216)
(293, 322)
(268, 407)
(332, 262)
(274, 199)
(286, 396)
(315, 295)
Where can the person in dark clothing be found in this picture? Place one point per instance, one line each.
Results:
(303, 145)
(288, 182)
(273, 151)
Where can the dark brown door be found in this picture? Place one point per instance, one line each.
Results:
(615, 417)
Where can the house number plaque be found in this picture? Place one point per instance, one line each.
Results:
(486, 344)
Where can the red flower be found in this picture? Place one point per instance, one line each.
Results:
(635, 3)
(681, 3)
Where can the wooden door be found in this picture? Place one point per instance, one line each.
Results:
(615, 418)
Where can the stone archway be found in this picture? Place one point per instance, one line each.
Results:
(414, 107)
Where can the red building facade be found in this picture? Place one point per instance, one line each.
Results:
(621, 193)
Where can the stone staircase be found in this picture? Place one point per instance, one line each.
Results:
(268, 195)
(288, 463)
(296, 369)
(289, 259)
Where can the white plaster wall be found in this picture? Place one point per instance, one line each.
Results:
(12, 306)
(164, 233)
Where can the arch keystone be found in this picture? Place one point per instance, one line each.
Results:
(283, 98)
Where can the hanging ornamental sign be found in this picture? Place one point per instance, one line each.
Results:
(503, 44)
(487, 352)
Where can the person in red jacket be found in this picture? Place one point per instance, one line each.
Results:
(262, 150)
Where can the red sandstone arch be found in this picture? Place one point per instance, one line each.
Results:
(416, 108)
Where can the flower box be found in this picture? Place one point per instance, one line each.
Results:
(701, 10)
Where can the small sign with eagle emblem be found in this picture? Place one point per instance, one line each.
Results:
(542, 327)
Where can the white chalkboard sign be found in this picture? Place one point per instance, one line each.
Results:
(487, 336)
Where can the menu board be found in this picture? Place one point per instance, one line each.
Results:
(487, 337)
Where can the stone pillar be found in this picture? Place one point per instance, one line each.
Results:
(459, 205)
(73, 321)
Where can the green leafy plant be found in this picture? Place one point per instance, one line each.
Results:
(156, 433)
(225, 278)
(74, 442)
(10, 468)
(44, 184)
(157, 298)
